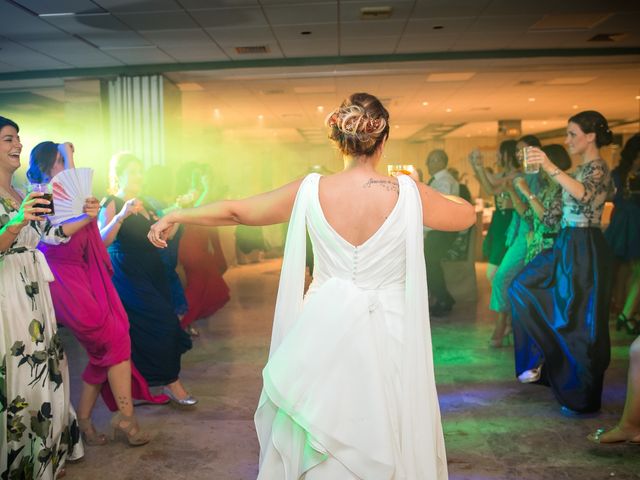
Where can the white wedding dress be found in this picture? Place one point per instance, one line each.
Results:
(349, 389)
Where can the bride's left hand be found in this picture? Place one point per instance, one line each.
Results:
(159, 232)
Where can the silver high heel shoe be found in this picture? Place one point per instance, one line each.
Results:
(188, 401)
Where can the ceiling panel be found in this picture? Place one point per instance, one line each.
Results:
(177, 38)
(426, 43)
(236, 37)
(363, 45)
(141, 56)
(230, 17)
(370, 29)
(319, 31)
(157, 20)
(60, 6)
(311, 48)
(430, 26)
(196, 54)
(207, 4)
(21, 57)
(16, 21)
(123, 6)
(450, 8)
(302, 13)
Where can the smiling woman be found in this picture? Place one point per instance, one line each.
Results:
(569, 331)
(36, 419)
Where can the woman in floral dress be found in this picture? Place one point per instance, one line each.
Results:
(561, 298)
(38, 427)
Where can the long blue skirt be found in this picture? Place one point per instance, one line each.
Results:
(560, 306)
(157, 340)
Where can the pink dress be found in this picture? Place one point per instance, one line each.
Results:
(87, 303)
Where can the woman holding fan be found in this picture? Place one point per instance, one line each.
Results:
(86, 302)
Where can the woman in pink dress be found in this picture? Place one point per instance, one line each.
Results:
(86, 302)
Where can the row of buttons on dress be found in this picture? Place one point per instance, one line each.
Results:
(355, 264)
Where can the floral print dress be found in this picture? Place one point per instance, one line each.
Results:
(38, 427)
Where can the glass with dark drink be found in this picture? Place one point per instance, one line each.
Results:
(44, 188)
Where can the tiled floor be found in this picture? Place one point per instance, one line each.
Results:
(495, 428)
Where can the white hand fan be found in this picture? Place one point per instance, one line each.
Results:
(70, 189)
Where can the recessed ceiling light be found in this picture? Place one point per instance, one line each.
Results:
(260, 117)
(544, 122)
(637, 97)
(531, 99)
(396, 126)
(448, 110)
(320, 108)
(216, 113)
(424, 104)
(575, 107)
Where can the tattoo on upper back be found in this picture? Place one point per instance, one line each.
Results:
(388, 185)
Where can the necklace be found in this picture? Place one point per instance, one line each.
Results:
(13, 195)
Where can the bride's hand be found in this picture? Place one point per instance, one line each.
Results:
(159, 232)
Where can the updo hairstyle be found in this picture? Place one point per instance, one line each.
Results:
(591, 121)
(359, 125)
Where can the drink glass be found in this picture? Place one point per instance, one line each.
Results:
(46, 189)
(397, 169)
(526, 166)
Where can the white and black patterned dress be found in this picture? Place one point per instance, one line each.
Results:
(38, 427)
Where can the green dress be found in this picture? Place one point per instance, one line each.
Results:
(38, 427)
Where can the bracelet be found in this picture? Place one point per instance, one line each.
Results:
(555, 172)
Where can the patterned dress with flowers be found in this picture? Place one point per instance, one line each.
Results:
(38, 427)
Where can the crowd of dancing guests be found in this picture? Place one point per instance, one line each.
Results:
(100, 277)
(551, 266)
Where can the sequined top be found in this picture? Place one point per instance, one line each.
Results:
(587, 211)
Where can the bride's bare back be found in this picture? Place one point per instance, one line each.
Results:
(357, 203)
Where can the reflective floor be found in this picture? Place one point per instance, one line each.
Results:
(495, 428)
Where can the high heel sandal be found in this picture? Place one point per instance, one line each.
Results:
(596, 437)
(530, 376)
(134, 439)
(89, 433)
(630, 325)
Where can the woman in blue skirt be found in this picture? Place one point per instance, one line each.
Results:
(561, 298)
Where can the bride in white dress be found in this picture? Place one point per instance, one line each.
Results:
(349, 389)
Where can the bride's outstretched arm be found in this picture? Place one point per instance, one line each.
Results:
(263, 209)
